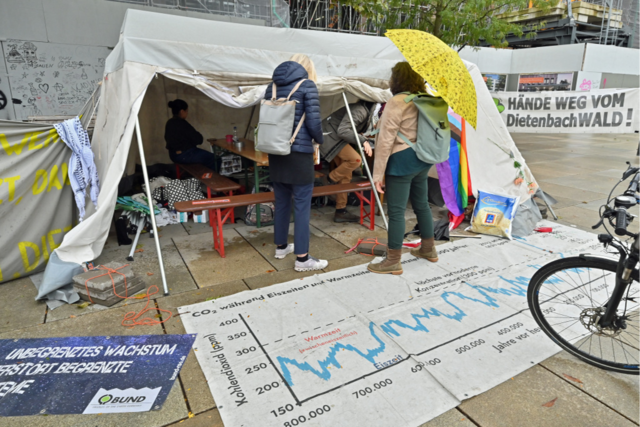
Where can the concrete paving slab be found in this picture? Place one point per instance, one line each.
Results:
(590, 182)
(519, 402)
(206, 419)
(174, 409)
(19, 309)
(195, 384)
(618, 391)
(346, 233)
(543, 170)
(278, 276)
(571, 193)
(68, 310)
(591, 167)
(347, 261)
(563, 202)
(197, 228)
(542, 156)
(578, 216)
(106, 323)
(167, 233)
(262, 241)
(594, 205)
(451, 418)
(208, 268)
(612, 173)
(145, 265)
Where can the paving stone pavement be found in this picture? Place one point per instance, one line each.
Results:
(578, 170)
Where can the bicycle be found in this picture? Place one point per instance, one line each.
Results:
(588, 304)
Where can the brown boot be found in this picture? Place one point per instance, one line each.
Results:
(427, 250)
(390, 265)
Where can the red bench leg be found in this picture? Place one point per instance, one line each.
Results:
(230, 193)
(233, 217)
(217, 219)
(177, 171)
(363, 211)
(218, 233)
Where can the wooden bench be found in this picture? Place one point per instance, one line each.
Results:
(215, 183)
(221, 208)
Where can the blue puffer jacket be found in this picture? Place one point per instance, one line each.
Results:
(285, 76)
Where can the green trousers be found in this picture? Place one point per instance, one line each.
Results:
(398, 191)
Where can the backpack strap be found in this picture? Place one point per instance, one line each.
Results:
(406, 140)
(295, 88)
(273, 91)
(293, 137)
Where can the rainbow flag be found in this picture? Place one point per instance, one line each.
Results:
(455, 181)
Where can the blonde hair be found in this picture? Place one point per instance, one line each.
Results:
(307, 63)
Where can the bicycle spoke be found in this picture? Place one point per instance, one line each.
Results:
(571, 297)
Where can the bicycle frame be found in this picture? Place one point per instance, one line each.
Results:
(626, 266)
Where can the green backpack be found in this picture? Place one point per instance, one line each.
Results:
(434, 134)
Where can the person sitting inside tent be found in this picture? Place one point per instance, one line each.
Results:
(183, 139)
(339, 146)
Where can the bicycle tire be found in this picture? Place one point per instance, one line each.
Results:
(573, 267)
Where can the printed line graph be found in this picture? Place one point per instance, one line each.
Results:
(516, 288)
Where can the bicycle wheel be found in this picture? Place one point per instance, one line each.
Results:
(566, 297)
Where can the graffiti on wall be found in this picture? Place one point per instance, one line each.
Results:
(49, 79)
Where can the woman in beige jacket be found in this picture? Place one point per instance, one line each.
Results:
(404, 175)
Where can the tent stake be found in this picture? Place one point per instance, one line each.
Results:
(366, 165)
(152, 208)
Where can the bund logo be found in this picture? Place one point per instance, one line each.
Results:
(105, 399)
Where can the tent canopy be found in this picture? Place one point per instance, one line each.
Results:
(225, 67)
(193, 44)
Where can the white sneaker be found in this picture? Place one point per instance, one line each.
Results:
(281, 253)
(311, 264)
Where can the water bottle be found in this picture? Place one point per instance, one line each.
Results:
(235, 134)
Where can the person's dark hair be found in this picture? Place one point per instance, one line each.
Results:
(404, 79)
(177, 105)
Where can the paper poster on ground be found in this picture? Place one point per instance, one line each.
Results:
(354, 348)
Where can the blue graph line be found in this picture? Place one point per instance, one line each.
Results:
(518, 288)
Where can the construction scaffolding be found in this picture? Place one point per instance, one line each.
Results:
(612, 22)
(329, 15)
(275, 13)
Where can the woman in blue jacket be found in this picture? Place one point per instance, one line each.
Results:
(293, 175)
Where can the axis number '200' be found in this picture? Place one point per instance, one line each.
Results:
(268, 387)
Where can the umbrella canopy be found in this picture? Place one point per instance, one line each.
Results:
(442, 67)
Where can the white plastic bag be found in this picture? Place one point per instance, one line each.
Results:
(494, 213)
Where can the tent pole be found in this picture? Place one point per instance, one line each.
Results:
(152, 211)
(246, 132)
(544, 199)
(366, 165)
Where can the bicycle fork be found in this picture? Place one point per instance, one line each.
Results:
(623, 281)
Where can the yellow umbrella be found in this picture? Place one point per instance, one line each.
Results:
(441, 67)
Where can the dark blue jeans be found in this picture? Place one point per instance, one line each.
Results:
(301, 196)
(196, 155)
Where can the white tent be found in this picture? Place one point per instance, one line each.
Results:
(219, 69)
